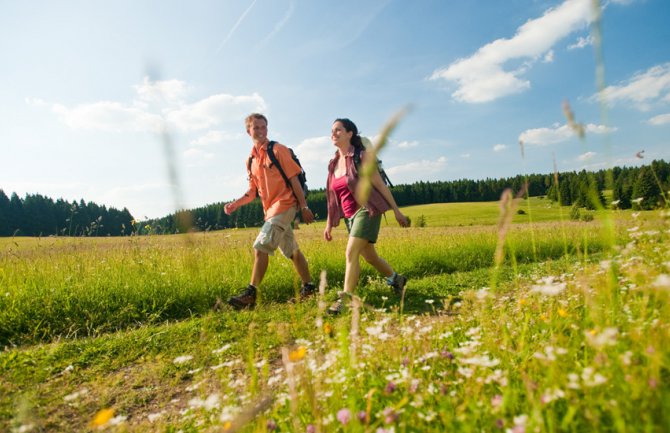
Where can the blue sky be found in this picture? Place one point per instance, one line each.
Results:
(91, 90)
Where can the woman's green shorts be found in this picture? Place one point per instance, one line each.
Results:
(362, 225)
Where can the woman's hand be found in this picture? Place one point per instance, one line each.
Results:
(402, 219)
(326, 233)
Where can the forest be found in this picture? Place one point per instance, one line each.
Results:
(644, 187)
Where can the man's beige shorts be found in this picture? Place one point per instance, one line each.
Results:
(277, 233)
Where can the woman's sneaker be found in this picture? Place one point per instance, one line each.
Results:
(336, 307)
(246, 299)
(398, 284)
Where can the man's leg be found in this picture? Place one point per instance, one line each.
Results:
(261, 261)
(301, 267)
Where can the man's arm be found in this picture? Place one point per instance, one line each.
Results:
(247, 198)
(305, 213)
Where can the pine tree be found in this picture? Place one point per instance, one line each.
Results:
(646, 191)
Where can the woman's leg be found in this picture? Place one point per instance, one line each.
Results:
(353, 267)
(370, 255)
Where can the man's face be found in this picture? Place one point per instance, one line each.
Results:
(258, 130)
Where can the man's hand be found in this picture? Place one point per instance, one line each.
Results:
(230, 207)
(306, 215)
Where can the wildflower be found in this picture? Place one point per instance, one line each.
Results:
(662, 282)
(496, 401)
(297, 354)
(221, 349)
(362, 416)
(551, 395)
(390, 387)
(481, 361)
(606, 338)
(271, 425)
(182, 359)
(548, 286)
(414, 386)
(102, 418)
(344, 416)
(390, 416)
(637, 200)
(520, 423)
(310, 428)
(154, 416)
(327, 329)
(562, 313)
(430, 301)
(591, 378)
(447, 354)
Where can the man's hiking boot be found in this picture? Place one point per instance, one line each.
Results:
(398, 284)
(246, 299)
(306, 291)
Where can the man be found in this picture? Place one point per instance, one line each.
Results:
(280, 202)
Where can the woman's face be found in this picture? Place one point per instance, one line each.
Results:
(339, 135)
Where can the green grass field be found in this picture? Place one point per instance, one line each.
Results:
(568, 332)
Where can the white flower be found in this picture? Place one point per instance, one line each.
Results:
(221, 349)
(481, 361)
(662, 282)
(182, 359)
(606, 338)
(637, 200)
(154, 416)
(548, 287)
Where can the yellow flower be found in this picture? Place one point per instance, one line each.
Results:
(227, 425)
(102, 417)
(522, 301)
(327, 329)
(297, 354)
(562, 313)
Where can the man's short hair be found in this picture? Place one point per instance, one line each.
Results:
(250, 118)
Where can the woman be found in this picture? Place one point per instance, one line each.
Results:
(363, 220)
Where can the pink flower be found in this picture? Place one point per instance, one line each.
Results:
(344, 416)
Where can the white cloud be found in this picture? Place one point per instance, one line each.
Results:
(661, 119)
(213, 137)
(424, 167)
(549, 57)
(407, 144)
(214, 110)
(586, 156)
(465, 155)
(582, 42)
(643, 89)
(158, 105)
(168, 91)
(108, 116)
(315, 149)
(482, 78)
(499, 147)
(558, 134)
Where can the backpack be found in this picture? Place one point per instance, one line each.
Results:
(302, 177)
(382, 173)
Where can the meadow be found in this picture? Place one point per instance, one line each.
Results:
(567, 330)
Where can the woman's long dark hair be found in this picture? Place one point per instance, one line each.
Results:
(350, 126)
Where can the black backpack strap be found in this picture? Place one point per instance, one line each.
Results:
(275, 161)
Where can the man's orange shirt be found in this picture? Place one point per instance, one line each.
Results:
(265, 178)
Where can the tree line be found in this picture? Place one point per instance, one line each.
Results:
(644, 187)
(36, 215)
